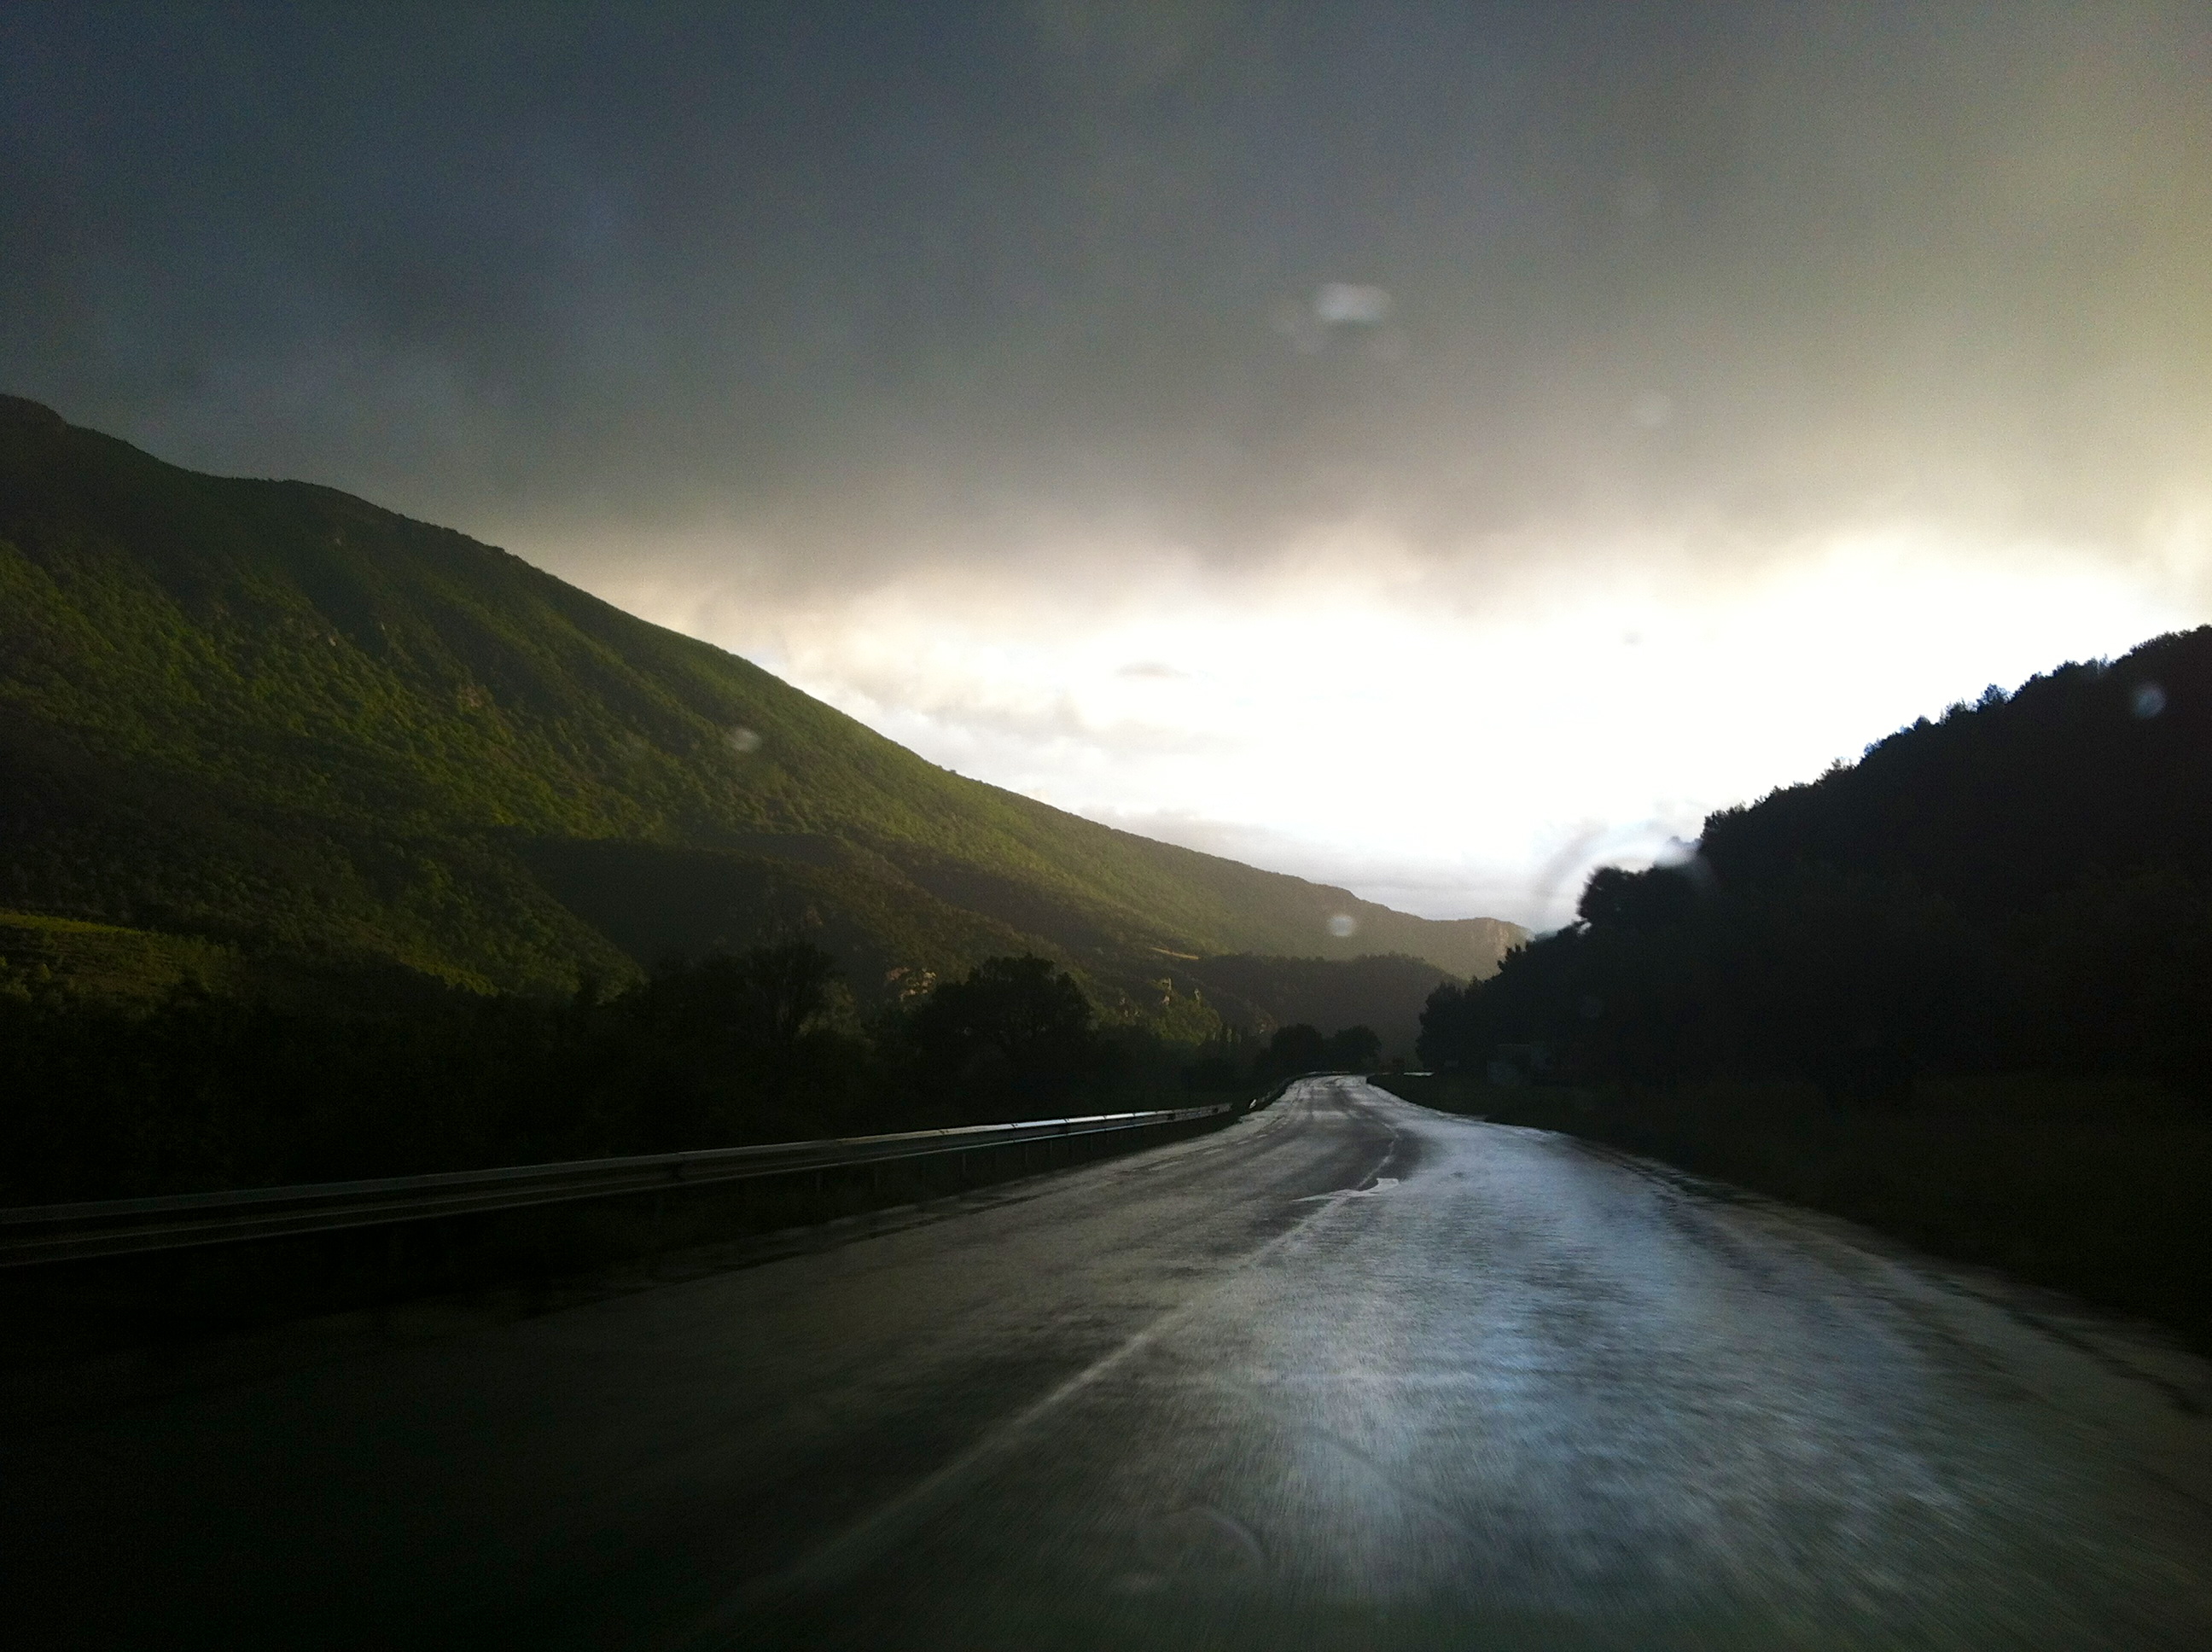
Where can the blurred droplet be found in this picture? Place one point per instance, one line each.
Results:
(1650, 409)
(743, 741)
(1343, 926)
(1197, 1541)
(1343, 303)
(2149, 699)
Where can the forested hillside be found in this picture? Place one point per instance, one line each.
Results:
(273, 718)
(2025, 884)
(1384, 994)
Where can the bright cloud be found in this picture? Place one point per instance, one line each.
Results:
(1362, 716)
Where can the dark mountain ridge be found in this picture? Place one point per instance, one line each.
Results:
(2090, 772)
(2023, 885)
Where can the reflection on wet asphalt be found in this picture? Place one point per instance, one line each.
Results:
(1349, 1374)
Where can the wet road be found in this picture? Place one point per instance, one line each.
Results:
(1348, 1374)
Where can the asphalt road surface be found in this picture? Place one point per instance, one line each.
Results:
(1348, 1374)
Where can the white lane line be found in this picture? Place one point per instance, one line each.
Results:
(878, 1533)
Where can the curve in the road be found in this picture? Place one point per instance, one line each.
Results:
(1350, 1373)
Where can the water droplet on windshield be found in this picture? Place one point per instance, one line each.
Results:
(1345, 303)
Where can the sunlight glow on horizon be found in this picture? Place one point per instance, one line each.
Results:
(1442, 743)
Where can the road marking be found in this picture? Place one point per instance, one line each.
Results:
(1382, 1185)
(875, 1533)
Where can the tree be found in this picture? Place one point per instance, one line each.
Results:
(1356, 1050)
(1294, 1049)
(761, 1001)
(1013, 1026)
(1448, 1028)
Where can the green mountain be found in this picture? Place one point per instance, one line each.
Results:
(274, 717)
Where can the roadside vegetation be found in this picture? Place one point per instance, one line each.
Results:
(167, 1088)
(390, 1074)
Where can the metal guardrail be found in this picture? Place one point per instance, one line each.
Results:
(53, 1233)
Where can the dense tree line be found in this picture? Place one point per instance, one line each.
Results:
(1383, 991)
(1242, 1060)
(2025, 884)
(209, 1092)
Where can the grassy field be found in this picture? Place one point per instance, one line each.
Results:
(2096, 1186)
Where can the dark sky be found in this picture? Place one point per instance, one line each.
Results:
(869, 289)
(807, 265)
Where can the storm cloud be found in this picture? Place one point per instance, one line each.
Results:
(821, 271)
